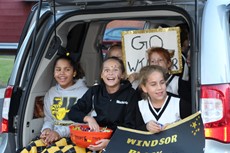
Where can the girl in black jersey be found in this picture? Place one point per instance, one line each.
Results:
(158, 108)
(113, 102)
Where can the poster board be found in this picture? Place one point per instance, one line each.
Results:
(135, 44)
(184, 136)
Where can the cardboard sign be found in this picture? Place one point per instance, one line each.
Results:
(135, 44)
(184, 136)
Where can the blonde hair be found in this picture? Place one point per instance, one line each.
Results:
(112, 48)
(144, 75)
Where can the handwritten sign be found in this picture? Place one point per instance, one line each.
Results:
(135, 44)
(185, 136)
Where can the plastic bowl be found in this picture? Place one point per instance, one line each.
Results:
(81, 135)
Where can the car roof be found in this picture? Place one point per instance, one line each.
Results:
(119, 3)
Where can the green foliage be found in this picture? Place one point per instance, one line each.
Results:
(6, 65)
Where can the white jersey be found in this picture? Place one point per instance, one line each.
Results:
(185, 75)
(168, 113)
(173, 84)
(135, 84)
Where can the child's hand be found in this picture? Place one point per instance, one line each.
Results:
(92, 123)
(165, 125)
(99, 145)
(51, 137)
(153, 127)
(44, 133)
(132, 77)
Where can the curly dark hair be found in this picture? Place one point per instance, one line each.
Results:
(76, 66)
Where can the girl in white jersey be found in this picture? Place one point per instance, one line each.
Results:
(158, 108)
(175, 84)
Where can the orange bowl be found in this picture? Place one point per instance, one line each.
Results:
(81, 135)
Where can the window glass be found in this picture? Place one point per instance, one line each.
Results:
(112, 34)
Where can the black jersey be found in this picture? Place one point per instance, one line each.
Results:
(111, 110)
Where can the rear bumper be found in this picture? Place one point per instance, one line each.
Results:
(7, 143)
(212, 146)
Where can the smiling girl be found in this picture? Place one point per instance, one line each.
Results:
(175, 84)
(112, 101)
(158, 108)
(57, 103)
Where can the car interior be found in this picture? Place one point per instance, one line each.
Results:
(84, 40)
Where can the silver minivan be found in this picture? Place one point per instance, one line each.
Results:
(79, 26)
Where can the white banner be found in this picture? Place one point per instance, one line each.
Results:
(135, 44)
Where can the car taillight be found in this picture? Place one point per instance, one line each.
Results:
(5, 109)
(215, 108)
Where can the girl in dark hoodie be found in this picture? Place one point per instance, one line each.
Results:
(112, 102)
